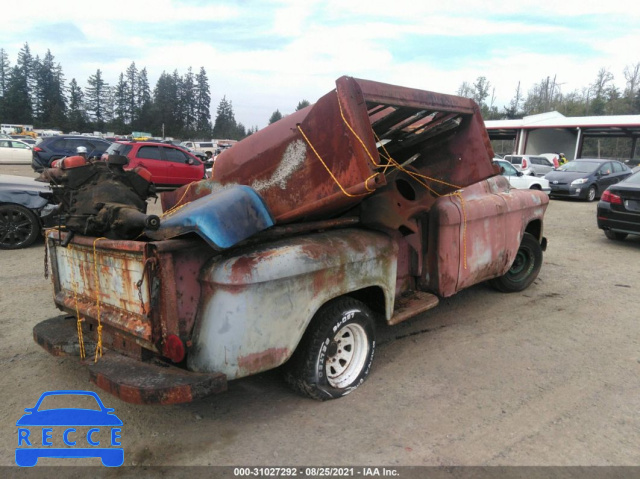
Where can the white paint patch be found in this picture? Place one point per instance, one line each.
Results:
(293, 157)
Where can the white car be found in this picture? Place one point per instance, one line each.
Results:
(519, 180)
(15, 151)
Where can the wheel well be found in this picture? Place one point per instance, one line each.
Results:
(535, 187)
(535, 228)
(373, 297)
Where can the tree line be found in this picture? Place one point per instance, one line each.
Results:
(34, 91)
(601, 97)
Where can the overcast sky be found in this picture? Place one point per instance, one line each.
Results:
(268, 55)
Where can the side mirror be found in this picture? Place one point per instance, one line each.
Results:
(520, 173)
(190, 161)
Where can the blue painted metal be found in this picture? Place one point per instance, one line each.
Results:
(222, 219)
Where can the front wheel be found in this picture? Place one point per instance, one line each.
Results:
(524, 269)
(336, 352)
(591, 194)
(19, 227)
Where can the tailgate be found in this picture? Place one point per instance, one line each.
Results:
(101, 279)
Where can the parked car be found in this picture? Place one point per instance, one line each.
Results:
(586, 178)
(14, 151)
(619, 209)
(206, 147)
(517, 179)
(531, 164)
(26, 205)
(27, 139)
(553, 158)
(168, 164)
(55, 147)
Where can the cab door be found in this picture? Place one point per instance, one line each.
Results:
(181, 167)
(21, 152)
(150, 158)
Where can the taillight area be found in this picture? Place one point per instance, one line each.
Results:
(174, 348)
(609, 197)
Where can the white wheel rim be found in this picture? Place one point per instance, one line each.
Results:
(346, 364)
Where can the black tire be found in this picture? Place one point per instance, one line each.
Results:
(19, 227)
(336, 351)
(614, 235)
(592, 193)
(525, 267)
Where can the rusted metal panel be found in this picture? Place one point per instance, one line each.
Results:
(256, 306)
(412, 303)
(148, 312)
(140, 382)
(325, 158)
(132, 379)
(112, 294)
(222, 219)
(476, 237)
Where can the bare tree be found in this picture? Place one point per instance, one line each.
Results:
(632, 75)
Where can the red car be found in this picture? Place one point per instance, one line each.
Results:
(169, 165)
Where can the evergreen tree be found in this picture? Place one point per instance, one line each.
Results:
(225, 126)
(165, 105)
(131, 83)
(17, 104)
(26, 65)
(50, 93)
(188, 102)
(144, 106)
(180, 108)
(121, 104)
(77, 119)
(203, 105)
(302, 104)
(5, 71)
(275, 116)
(241, 132)
(97, 94)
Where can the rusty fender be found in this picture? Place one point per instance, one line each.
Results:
(478, 238)
(256, 306)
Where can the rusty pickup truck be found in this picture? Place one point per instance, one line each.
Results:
(366, 207)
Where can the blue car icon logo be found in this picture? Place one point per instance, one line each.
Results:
(83, 432)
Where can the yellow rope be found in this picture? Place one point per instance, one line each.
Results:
(97, 278)
(75, 297)
(416, 176)
(346, 193)
(177, 206)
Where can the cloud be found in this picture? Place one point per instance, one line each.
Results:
(268, 55)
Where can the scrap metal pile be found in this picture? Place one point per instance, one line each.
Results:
(100, 198)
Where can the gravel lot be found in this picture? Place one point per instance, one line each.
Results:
(544, 377)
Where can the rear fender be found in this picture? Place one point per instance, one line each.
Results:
(256, 306)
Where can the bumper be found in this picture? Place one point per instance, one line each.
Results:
(569, 191)
(621, 222)
(131, 380)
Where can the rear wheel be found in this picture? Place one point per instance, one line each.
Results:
(19, 227)
(336, 352)
(614, 235)
(525, 267)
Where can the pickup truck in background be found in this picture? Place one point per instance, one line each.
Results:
(366, 207)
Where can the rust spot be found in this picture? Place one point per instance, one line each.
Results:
(256, 362)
